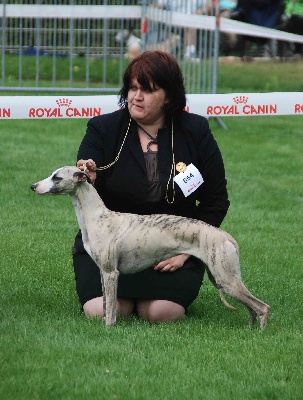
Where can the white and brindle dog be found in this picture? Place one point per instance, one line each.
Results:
(128, 243)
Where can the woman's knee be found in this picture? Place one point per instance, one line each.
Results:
(94, 307)
(160, 310)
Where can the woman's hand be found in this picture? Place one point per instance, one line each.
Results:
(89, 167)
(172, 264)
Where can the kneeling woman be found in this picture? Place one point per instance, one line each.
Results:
(147, 138)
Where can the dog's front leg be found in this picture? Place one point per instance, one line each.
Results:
(110, 284)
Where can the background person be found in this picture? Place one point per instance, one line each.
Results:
(158, 130)
(265, 13)
(187, 7)
(292, 22)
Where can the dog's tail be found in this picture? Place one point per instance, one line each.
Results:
(224, 301)
(222, 297)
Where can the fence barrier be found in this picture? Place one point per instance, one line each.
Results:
(76, 37)
(69, 38)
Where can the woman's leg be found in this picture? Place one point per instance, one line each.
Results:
(160, 310)
(94, 307)
(89, 288)
(180, 287)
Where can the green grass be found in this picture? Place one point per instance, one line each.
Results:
(49, 350)
(61, 70)
(250, 77)
(264, 76)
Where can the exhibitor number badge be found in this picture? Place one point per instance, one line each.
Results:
(189, 180)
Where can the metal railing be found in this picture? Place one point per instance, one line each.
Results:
(84, 46)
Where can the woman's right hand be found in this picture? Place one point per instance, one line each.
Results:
(89, 167)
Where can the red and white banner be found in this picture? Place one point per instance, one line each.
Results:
(208, 105)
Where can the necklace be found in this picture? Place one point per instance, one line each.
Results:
(153, 140)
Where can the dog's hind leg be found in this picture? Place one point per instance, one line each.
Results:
(225, 268)
(252, 313)
(256, 307)
(236, 289)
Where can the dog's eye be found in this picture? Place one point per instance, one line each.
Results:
(56, 178)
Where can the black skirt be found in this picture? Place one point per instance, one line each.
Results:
(181, 286)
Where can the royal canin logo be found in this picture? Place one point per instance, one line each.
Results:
(241, 107)
(240, 99)
(64, 110)
(64, 102)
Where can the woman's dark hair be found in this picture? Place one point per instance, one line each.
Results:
(156, 69)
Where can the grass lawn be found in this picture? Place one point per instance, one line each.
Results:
(49, 350)
(275, 76)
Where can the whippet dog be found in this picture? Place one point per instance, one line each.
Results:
(129, 243)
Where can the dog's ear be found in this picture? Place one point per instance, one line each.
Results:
(82, 177)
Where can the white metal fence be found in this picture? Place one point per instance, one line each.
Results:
(84, 46)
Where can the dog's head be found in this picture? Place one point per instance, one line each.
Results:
(63, 181)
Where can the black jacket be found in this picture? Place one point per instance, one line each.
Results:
(123, 186)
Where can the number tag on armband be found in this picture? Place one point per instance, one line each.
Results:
(189, 180)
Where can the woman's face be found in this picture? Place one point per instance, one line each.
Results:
(144, 106)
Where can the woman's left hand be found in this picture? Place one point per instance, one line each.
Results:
(172, 264)
(89, 167)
